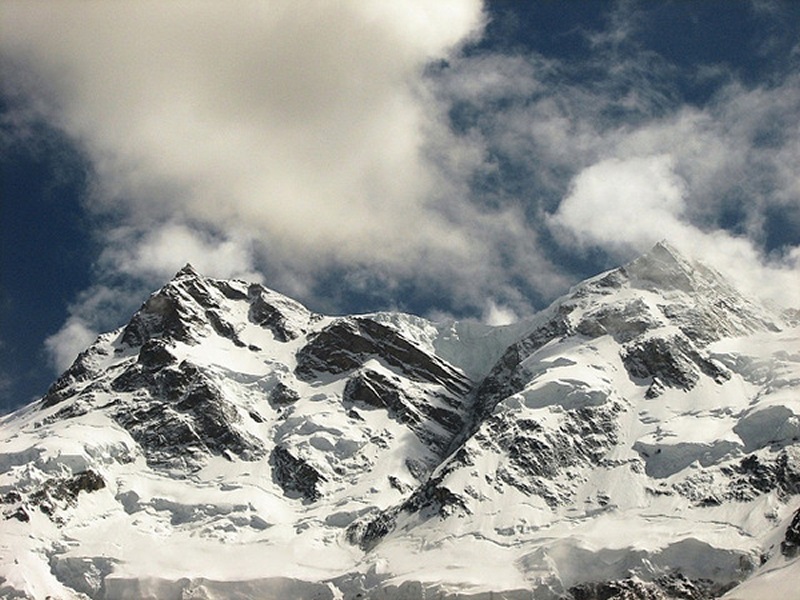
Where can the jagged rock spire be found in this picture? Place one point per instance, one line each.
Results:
(187, 270)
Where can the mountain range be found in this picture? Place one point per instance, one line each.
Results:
(637, 439)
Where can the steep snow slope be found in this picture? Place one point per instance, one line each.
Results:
(637, 439)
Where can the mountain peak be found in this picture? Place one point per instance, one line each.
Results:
(668, 269)
(187, 270)
(664, 287)
(667, 251)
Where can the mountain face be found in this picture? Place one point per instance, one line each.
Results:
(638, 439)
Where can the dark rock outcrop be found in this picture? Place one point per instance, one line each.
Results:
(182, 418)
(164, 314)
(538, 455)
(269, 316)
(52, 496)
(790, 546)
(371, 389)
(507, 377)
(283, 395)
(435, 419)
(624, 323)
(348, 343)
(673, 586)
(673, 361)
(82, 370)
(760, 473)
(155, 354)
(295, 476)
(368, 532)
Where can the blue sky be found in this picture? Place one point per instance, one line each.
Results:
(455, 158)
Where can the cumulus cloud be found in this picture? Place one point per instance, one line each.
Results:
(624, 204)
(605, 154)
(300, 120)
(65, 345)
(301, 128)
(158, 254)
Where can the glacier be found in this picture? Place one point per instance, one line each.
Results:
(636, 439)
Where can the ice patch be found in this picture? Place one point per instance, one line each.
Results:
(10, 460)
(567, 393)
(663, 460)
(285, 588)
(693, 558)
(190, 513)
(771, 425)
(83, 574)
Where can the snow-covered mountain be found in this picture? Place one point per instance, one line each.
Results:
(637, 439)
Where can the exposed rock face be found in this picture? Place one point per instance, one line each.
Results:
(347, 344)
(155, 355)
(538, 455)
(283, 395)
(295, 475)
(190, 307)
(268, 314)
(435, 419)
(666, 587)
(51, 496)
(790, 546)
(509, 376)
(672, 361)
(624, 322)
(371, 389)
(367, 533)
(166, 313)
(764, 472)
(82, 371)
(194, 422)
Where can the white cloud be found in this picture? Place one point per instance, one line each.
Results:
(161, 252)
(617, 162)
(495, 314)
(290, 138)
(624, 204)
(301, 120)
(285, 138)
(64, 346)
